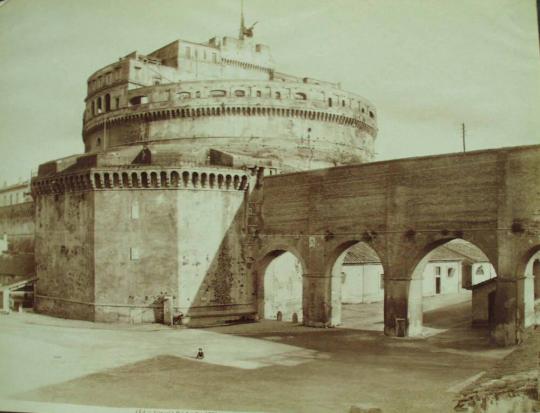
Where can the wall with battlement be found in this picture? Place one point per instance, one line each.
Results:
(130, 236)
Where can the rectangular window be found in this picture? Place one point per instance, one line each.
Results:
(117, 102)
(135, 210)
(437, 270)
(188, 52)
(134, 253)
(381, 282)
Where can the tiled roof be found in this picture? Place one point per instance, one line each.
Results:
(456, 250)
(361, 253)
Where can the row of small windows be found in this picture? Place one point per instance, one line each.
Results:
(138, 100)
(200, 54)
(105, 79)
(100, 105)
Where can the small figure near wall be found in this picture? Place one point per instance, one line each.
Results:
(200, 354)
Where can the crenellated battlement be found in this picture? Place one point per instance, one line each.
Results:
(126, 178)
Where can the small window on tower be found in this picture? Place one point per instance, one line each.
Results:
(135, 210)
(134, 253)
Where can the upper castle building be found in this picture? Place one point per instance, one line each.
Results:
(227, 95)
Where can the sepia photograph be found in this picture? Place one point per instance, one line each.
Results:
(255, 206)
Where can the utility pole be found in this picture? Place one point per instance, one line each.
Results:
(463, 135)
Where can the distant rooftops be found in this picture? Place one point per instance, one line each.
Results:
(456, 250)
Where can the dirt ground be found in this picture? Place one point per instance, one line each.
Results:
(258, 367)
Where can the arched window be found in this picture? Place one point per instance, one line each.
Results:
(197, 94)
(343, 103)
(278, 95)
(330, 102)
(258, 93)
(98, 142)
(300, 96)
(371, 114)
(239, 93)
(99, 104)
(480, 270)
(107, 103)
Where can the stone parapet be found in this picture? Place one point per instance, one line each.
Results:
(122, 178)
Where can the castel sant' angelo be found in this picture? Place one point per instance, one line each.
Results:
(157, 215)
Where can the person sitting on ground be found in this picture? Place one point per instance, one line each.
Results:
(200, 354)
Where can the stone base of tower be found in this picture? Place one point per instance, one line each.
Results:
(114, 243)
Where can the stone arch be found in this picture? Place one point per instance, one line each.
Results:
(107, 180)
(220, 180)
(419, 254)
(175, 179)
(195, 179)
(125, 180)
(266, 257)
(228, 181)
(212, 180)
(144, 180)
(163, 179)
(243, 182)
(135, 180)
(333, 269)
(185, 179)
(154, 183)
(204, 179)
(407, 290)
(97, 181)
(116, 180)
(528, 267)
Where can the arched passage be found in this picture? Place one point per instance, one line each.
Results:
(279, 286)
(457, 287)
(536, 275)
(357, 283)
(531, 287)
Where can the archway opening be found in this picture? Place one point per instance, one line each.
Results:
(282, 288)
(358, 288)
(531, 290)
(457, 288)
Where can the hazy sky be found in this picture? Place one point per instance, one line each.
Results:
(427, 65)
